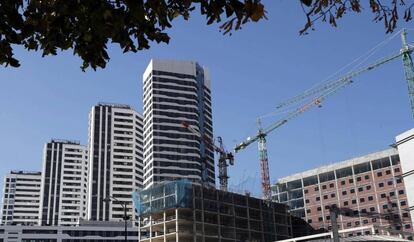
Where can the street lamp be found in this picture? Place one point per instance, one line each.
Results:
(124, 206)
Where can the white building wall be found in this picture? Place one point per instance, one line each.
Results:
(176, 92)
(73, 188)
(64, 183)
(115, 163)
(405, 145)
(109, 232)
(21, 198)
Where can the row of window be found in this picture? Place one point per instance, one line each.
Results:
(342, 173)
(360, 189)
(363, 211)
(357, 223)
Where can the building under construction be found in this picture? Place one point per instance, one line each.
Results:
(185, 211)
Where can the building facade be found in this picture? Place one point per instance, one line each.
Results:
(185, 211)
(21, 198)
(115, 161)
(405, 144)
(88, 232)
(64, 183)
(177, 92)
(368, 190)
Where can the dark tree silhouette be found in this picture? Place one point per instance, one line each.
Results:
(88, 26)
(332, 10)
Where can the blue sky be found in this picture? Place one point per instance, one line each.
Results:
(252, 71)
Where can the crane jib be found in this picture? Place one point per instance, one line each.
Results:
(321, 92)
(326, 90)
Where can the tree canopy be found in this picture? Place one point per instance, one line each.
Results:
(332, 10)
(88, 26)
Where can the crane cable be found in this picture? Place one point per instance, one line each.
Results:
(319, 87)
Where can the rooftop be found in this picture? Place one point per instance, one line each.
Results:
(114, 105)
(64, 141)
(90, 223)
(404, 137)
(25, 172)
(341, 164)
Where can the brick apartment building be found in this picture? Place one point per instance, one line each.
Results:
(369, 190)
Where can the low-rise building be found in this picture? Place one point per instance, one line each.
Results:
(369, 190)
(83, 232)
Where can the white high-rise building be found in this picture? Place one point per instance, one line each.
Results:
(115, 162)
(64, 183)
(21, 198)
(176, 92)
(405, 145)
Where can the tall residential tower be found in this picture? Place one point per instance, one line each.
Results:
(115, 163)
(21, 198)
(64, 183)
(176, 92)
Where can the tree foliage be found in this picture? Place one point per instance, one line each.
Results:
(332, 10)
(87, 26)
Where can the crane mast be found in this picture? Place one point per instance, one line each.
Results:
(408, 68)
(224, 156)
(264, 163)
(222, 164)
(322, 92)
(264, 168)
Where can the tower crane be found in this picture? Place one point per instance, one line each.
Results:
(224, 156)
(318, 95)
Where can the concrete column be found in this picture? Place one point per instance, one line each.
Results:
(233, 206)
(176, 225)
(164, 226)
(274, 221)
(374, 185)
(150, 228)
(139, 228)
(248, 216)
(397, 195)
(356, 194)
